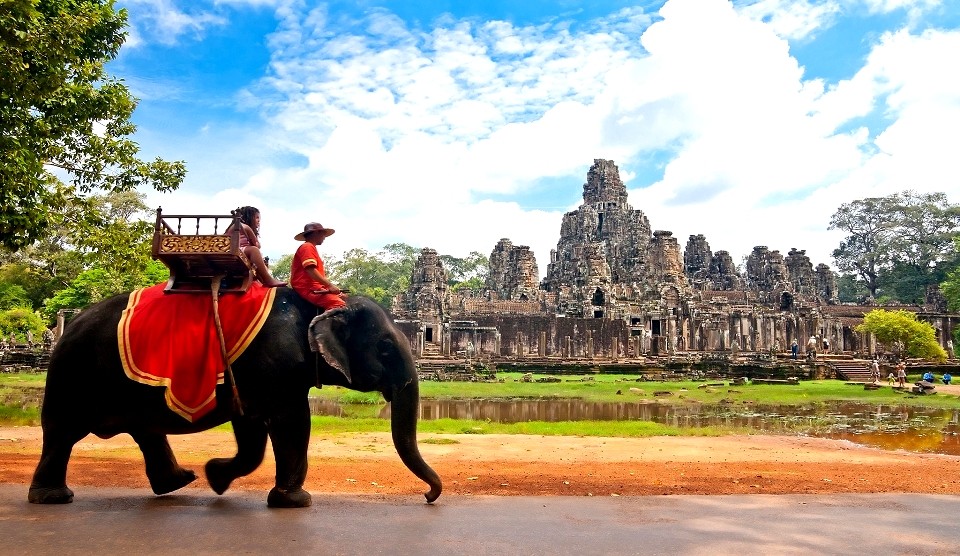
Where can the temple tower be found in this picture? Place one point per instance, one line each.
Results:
(603, 242)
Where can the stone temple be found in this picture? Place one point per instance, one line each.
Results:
(615, 288)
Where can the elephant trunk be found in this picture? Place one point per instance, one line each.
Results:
(404, 409)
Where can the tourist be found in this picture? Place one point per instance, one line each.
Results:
(875, 371)
(812, 348)
(928, 377)
(946, 378)
(891, 379)
(902, 374)
(794, 349)
(307, 275)
(250, 244)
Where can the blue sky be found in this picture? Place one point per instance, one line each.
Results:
(452, 124)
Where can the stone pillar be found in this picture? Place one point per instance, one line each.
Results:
(568, 346)
(671, 339)
(61, 321)
(615, 354)
(419, 347)
(693, 337)
(542, 348)
(589, 344)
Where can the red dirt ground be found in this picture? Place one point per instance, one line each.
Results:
(508, 465)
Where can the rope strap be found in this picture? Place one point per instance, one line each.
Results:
(215, 292)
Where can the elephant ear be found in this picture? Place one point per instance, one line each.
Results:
(326, 331)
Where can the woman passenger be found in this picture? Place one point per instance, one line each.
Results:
(250, 244)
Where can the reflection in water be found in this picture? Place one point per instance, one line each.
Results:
(920, 429)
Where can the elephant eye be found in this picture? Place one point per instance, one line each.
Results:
(385, 348)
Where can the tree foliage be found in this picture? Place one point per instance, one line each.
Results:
(899, 244)
(380, 276)
(851, 290)
(108, 233)
(280, 269)
(951, 290)
(12, 295)
(97, 284)
(470, 271)
(385, 274)
(18, 321)
(64, 122)
(903, 333)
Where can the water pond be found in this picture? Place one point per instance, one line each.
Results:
(892, 427)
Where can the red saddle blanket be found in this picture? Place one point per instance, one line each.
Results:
(171, 340)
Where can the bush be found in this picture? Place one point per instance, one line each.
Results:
(903, 333)
(18, 321)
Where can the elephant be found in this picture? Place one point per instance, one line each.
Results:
(362, 349)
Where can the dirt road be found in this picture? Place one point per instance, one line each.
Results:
(509, 465)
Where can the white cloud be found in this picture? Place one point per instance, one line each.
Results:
(911, 80)
(793, 19)
(165, 22)
(423, 136)
(914, 8)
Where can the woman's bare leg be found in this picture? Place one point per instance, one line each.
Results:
(263, 273)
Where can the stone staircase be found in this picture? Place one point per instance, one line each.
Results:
(853, 370)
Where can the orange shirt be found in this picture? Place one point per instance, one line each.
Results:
(304, 285)
(306, 257)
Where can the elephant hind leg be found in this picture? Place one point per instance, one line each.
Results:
(163, 471)
(49, 484)
(251, 443)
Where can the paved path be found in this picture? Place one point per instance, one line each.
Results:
(129, 521)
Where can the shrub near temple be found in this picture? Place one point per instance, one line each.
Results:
(18, 321)
(901, 332)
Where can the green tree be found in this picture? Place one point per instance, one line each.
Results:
(12, 295)
(907, 283)
(379, 276)
(113, 233)
(97, 284)
(950, 287)
(899, 243)
(850, 290)
(281, 268)
(154, 273)
(469, 272)
(18, 321)
(60, 111)
(901, 332)
(108, 232)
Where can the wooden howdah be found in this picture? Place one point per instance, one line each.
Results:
(196, 249)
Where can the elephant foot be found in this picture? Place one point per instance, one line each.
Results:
(218, 475)
(293, 498)
(169, 483)
(43, 495)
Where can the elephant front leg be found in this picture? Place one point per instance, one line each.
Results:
(251, 443)
(290, 435)
(49, 484)
(163, 471)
